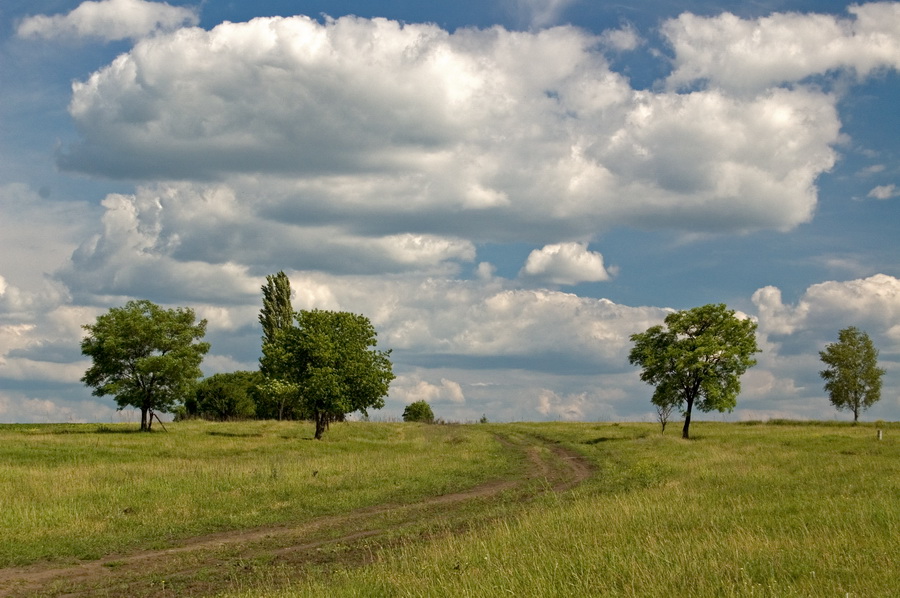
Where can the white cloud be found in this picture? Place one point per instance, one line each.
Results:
(411, 389)
(110, 20)
(568, 408)
(565, 263)
(622, 39)
(21, 408)
(482, 321)
(38, 234)
(872, 304)
(885, 192)
(476, 135)
(755, 54)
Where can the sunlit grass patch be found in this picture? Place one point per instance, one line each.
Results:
(757, 510)
(76, 492)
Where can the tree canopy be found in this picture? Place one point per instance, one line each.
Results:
(225, 396)
(330, 359)
(145, 356)
(852, 378)
(418, 411)
(696, 359)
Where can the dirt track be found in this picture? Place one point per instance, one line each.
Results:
(207, 564)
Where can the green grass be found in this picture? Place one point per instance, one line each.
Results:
(776, 509)
(790, 509)
(83, 491)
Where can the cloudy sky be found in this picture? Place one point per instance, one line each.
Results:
(508, 189)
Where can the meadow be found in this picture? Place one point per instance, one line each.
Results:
(752, 509)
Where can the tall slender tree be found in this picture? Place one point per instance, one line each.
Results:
(852, 378)
(277, 312)
(276, 315)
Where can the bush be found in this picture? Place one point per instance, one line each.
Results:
(223, 397)
(420, 411)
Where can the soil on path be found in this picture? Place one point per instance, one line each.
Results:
(208, 564)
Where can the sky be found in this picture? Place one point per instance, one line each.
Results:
(508, 189)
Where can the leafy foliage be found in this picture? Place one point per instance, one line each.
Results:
(697, 358)
(329, 357)
(419, 411)
(276, 315)
(145, 356)
(852, 378)
(225, 396)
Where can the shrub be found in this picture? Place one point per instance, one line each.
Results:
(420, 411)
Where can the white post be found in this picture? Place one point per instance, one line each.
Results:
(879, 434)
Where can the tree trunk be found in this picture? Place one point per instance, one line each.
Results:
(321, 424)
(144, 426)
(687, 420)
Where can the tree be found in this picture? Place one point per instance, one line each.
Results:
(277, 399)
(145, 356)
(225, 396)
(276, 315)
(663, 413)
(852, 378)
(330, 358)
(419, 411)
(696, 359)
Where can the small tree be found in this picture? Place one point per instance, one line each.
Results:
(145, 356)
(852, 378)
(330, 359)
(278, 399)
(697, 358)
(419, 411)
(663, 413)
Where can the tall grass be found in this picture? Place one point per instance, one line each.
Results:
(764, 510)
(84, 491)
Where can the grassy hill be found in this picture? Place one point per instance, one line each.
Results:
(377, 509)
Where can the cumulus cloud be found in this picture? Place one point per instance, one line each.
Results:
(483, 135)
(753, 54)
(885, 192)
(110, 20)
(871, 303)
(39, 234)
(483, 323)
(566, 264)
(622, 39)
(411, 389)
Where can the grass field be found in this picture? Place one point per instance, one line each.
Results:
(779, 509)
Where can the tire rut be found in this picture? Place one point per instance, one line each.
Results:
(558, 467)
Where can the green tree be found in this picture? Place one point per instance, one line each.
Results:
(145, 356)
(278, 399)
(276, 315)
(330, 358)
(419, 411)
(696, 359)
(852, 378)
(226, 396)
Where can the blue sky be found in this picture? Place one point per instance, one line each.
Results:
(507, 189)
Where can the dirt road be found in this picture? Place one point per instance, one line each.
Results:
(212, 563)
